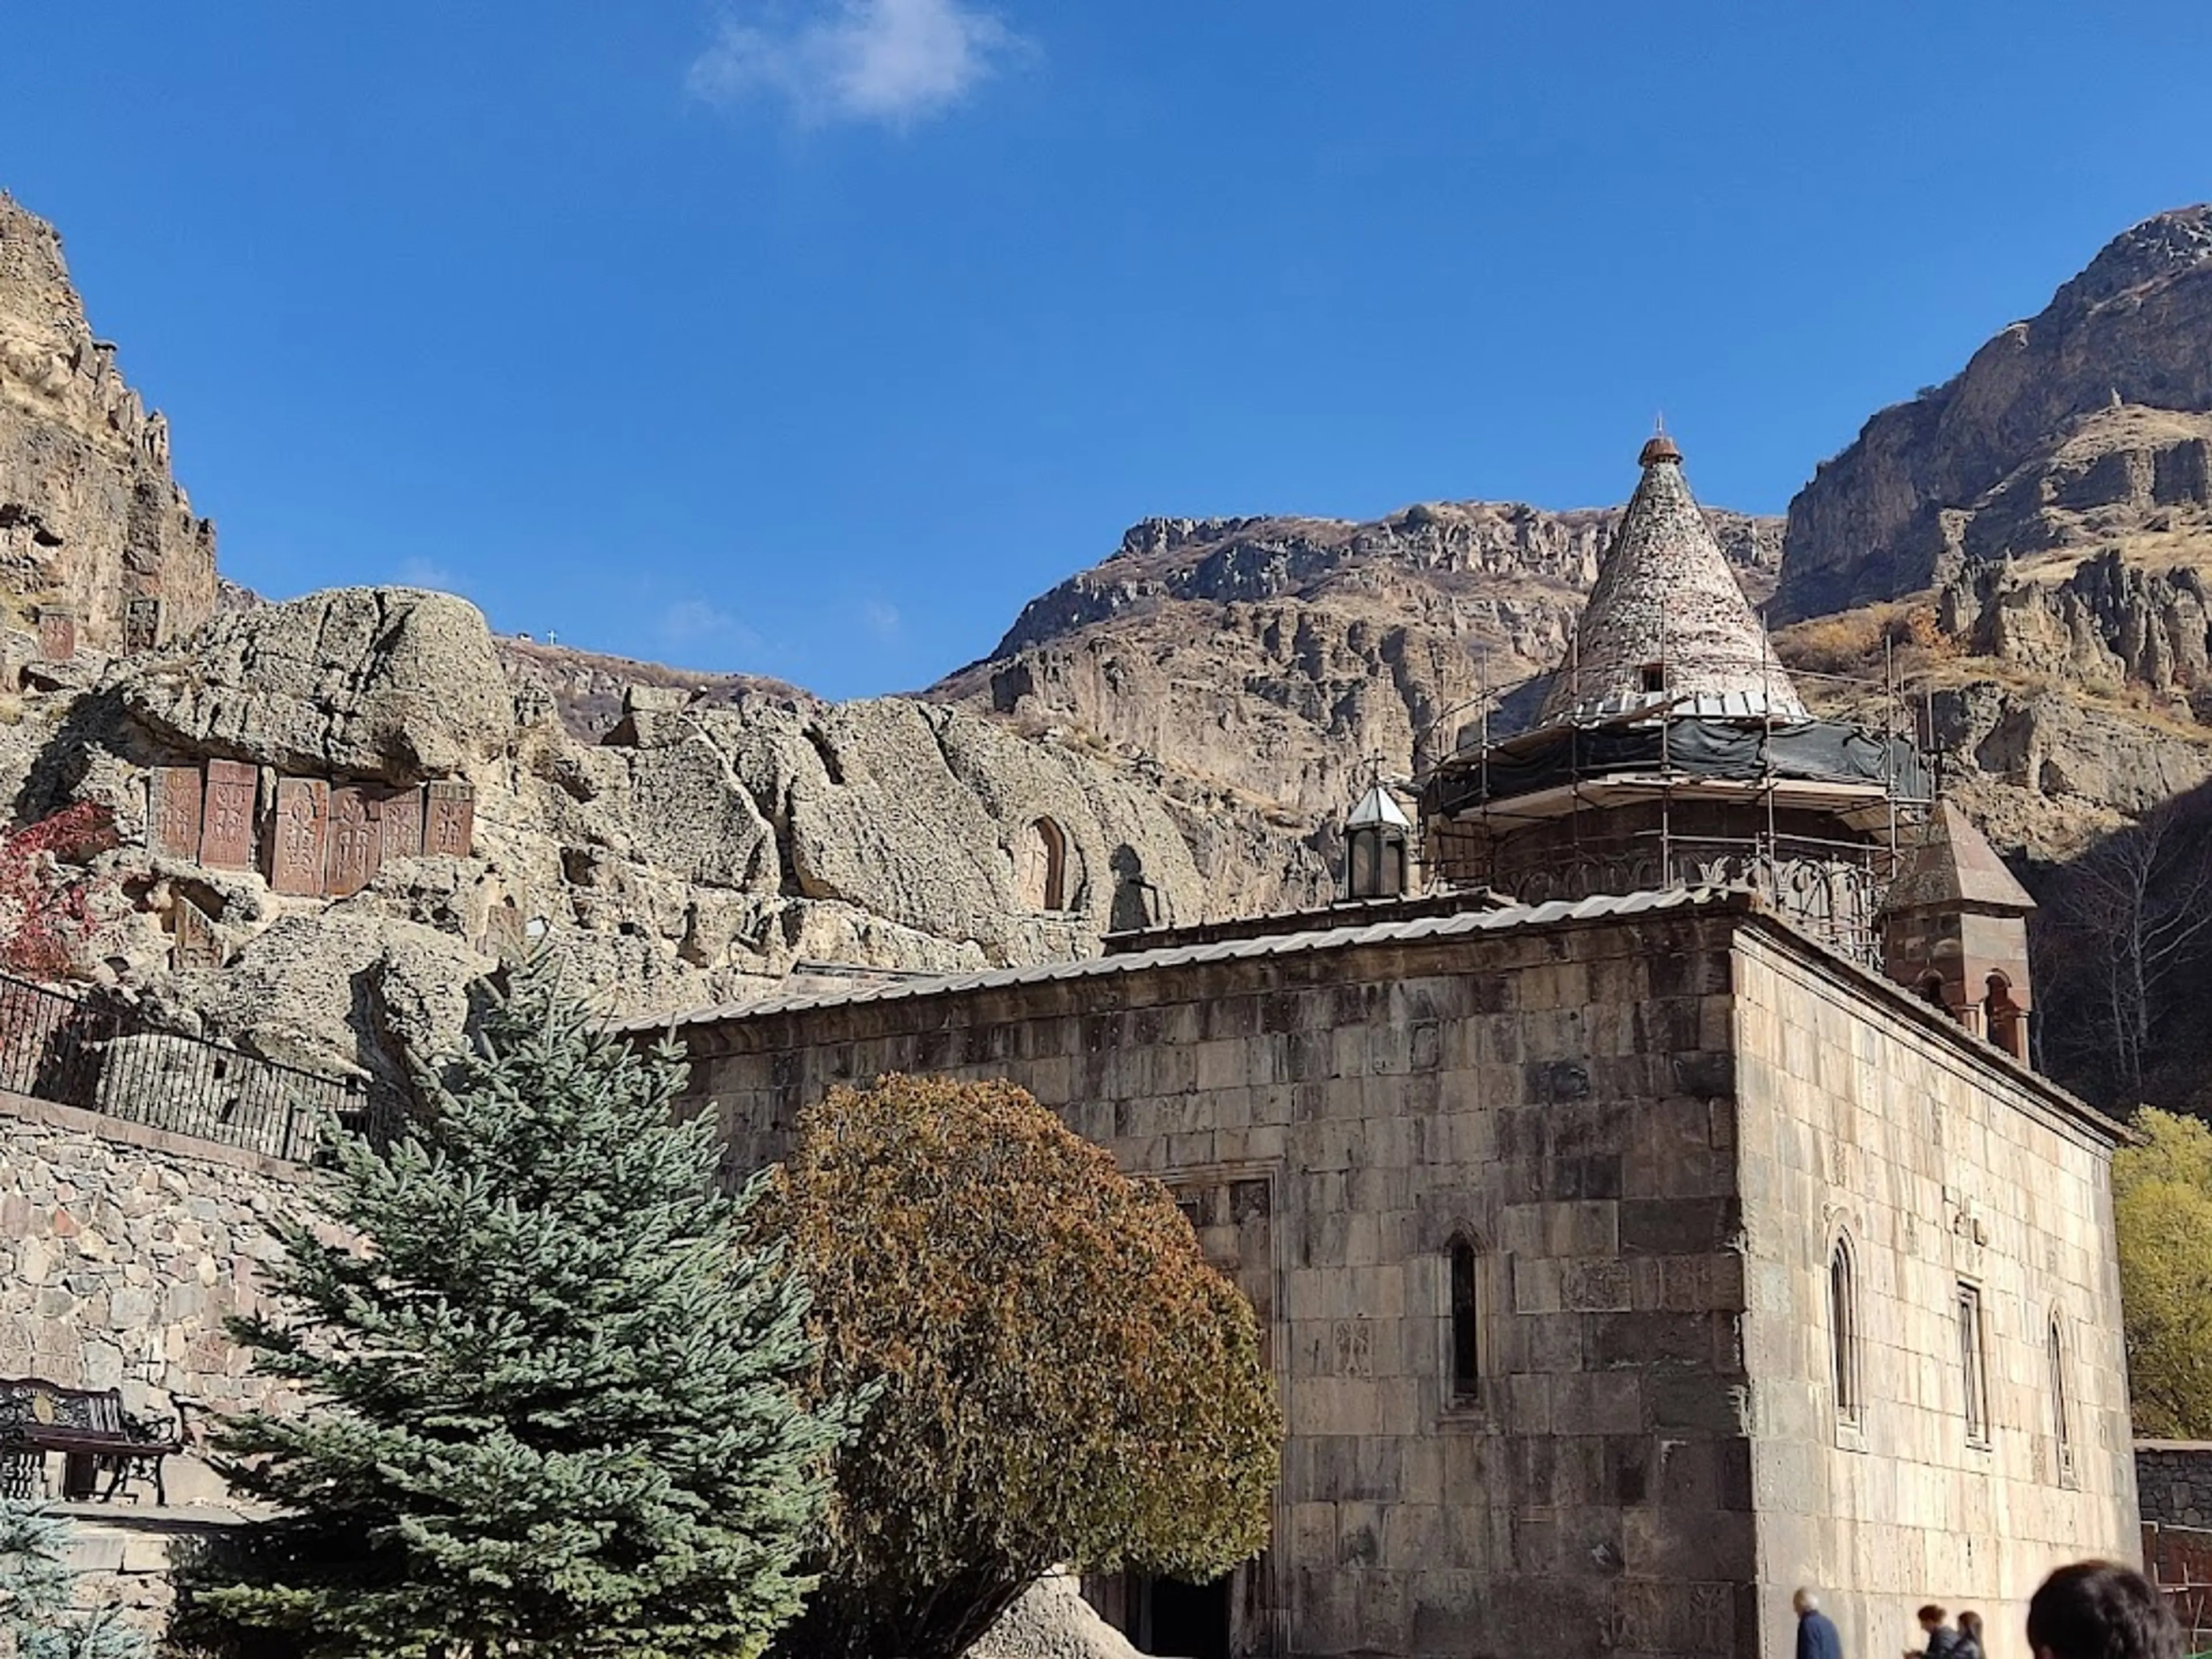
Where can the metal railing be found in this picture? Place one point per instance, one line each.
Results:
(74, 1050)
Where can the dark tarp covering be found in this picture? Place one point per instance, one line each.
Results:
(1826, 750)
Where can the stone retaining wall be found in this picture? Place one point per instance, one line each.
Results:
(2173, 1481)
(123, 1249)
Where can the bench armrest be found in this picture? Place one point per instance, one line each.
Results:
(150, 1430)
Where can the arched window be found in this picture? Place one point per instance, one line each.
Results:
(1041, 867)
(2061, 1407)
(1844, 1333)
(1973, 1363)
(1931, 990)
(1466, 1335)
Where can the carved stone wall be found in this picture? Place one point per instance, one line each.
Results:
(316, 838)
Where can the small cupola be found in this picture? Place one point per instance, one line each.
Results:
(1377, 837)
(1954, 928)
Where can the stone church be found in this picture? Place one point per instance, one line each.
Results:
(1638, 1175)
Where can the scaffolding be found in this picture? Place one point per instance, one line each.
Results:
(1683, 787)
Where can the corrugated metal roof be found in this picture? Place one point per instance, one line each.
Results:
(1288, 942)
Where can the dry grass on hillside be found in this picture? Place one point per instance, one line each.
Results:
(1901, 634)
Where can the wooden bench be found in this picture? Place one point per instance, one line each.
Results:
(87, 1426)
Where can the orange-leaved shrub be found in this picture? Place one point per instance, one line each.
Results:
(1059, 1376)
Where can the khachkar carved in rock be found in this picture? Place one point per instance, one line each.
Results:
(141, 624)
(234, 789)
(403, 824)
(450, 826)
(299, 837)
(321, 840)
(357, 848)
(196, 941)
(57, 633)
(174, 824)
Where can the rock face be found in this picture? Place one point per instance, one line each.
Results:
(1932, 482)
(592, 691)
(389, 684)
(1169, 736)
(92, 524)
(709, 846)
(1279, 656)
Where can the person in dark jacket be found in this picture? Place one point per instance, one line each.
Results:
(2101, 1610)
(1940, 1638)
(1816, 1631)
(1969, 1645)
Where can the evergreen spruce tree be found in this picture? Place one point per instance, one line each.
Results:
(554, 1407)
(38, 1617)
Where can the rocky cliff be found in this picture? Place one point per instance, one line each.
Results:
(1968, 468)
(1166, 736)
(707, 848)
(1284, 657)
(332, 813)
(97, 541)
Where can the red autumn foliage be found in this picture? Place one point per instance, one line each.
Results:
(46, 905)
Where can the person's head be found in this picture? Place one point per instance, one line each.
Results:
(1931, 1617)
(1970, 1624)
(1805, 1600)
(2101, 1610)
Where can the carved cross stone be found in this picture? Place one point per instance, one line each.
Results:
(296, 839)
(403, 824)
(175, 820)
(357, 848)
(57, 633)
(142, 623)
(195, 946)
(449, 825)
(227, 826)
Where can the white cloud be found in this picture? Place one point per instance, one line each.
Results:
(881, 620)
(416, 572)
(691, 623)
(892, 61)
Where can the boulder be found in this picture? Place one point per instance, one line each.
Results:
(1053, 1621)
(395, 685)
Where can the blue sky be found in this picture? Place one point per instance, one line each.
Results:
(812, 337)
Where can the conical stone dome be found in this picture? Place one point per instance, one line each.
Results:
(1666, 623)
